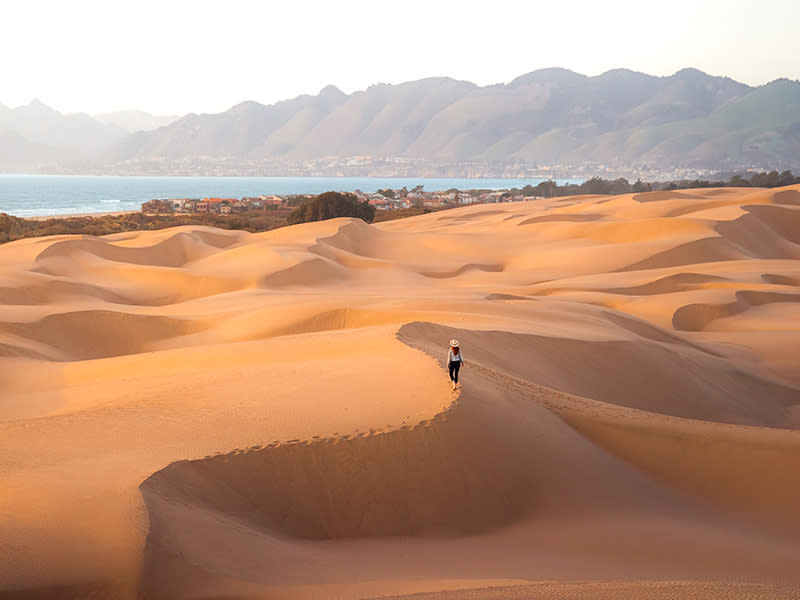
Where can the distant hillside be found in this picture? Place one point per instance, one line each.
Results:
(35, 137)
(135, 120)
(553, 117)
(546, 117)
(19, 154)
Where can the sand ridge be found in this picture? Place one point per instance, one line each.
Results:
(195, 412)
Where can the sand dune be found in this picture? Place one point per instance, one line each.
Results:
(655, 590)
(694, 317)
(194, 413)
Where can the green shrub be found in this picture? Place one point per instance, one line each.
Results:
(331, 205)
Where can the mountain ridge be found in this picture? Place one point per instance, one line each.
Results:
(135, 120)
(619, 119)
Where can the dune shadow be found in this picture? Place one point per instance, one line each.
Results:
(177, 250)
(765, 231)
(704, 250)
(498, 296)
(91, 334)
(678, 282)
(787, 197)
(662, 195)
(776, 279)
(696, 317)
(562, 218)
(488, 268)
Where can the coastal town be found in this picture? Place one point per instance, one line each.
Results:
(403, 198)
(387, 199)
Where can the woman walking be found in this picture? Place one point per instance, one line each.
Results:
(454, 361)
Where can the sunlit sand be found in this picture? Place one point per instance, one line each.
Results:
(194, 412)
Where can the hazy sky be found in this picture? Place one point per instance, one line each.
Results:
(174, 57)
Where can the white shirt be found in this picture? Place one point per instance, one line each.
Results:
(451, 357)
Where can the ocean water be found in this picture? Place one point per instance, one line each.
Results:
(40, 195)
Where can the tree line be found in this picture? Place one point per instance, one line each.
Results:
(597, 185)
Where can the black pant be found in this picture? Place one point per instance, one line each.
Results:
(454, 366)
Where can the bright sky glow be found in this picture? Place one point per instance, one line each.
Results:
(176, 56)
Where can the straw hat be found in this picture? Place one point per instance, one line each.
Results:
(454, 343)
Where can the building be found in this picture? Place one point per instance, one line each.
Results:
(380, 203)
(183, 205)
(432, 203)
(215, 205)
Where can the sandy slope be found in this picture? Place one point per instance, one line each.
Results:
(199, 413)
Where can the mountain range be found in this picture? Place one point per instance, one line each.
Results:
(621, 120)
(135, 120)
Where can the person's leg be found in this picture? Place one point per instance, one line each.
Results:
(457, 366)
(451, 366)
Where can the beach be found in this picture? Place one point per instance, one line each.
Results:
(195, 412)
